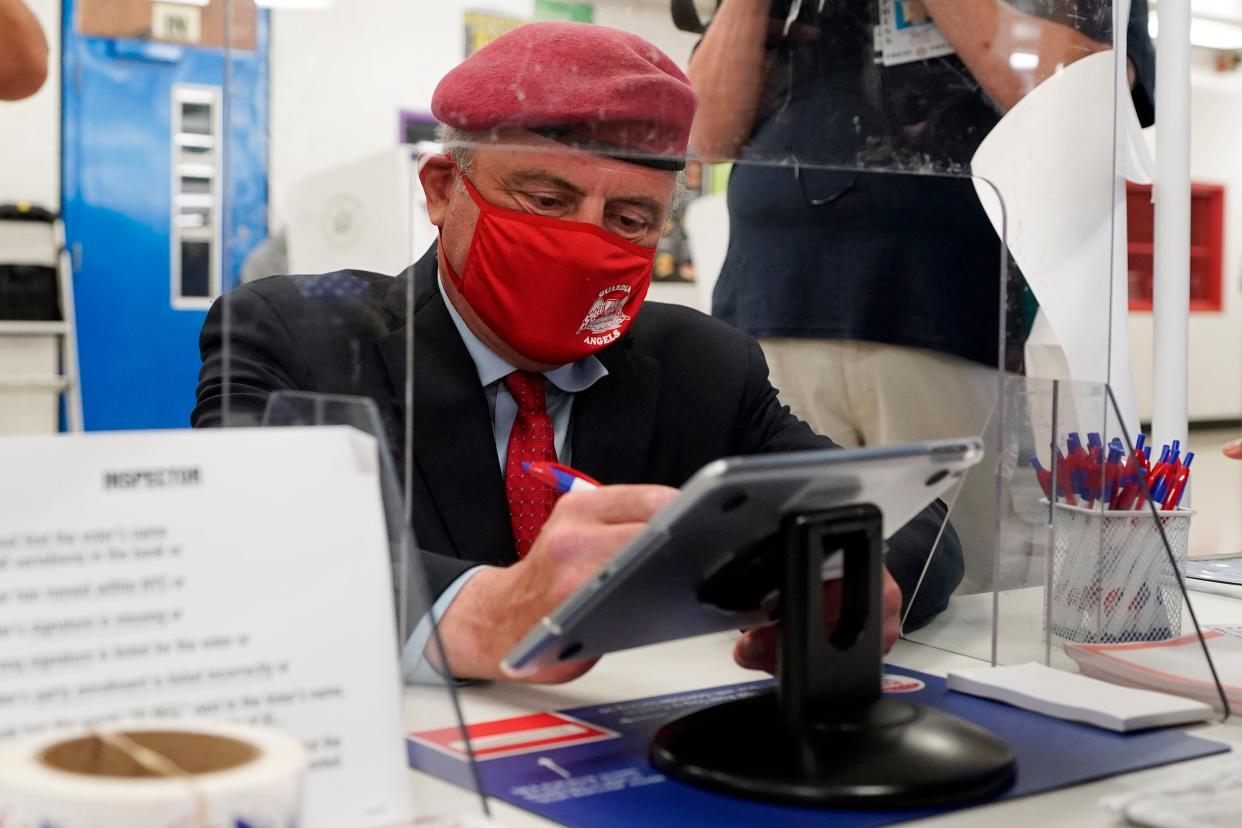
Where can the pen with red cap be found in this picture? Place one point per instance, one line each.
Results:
(1136, 472)
(1078, 461)
(1043, 476)
(1177, 487)
(1065, 477)
(1112, 472)
(1154, 476)
(559, 477)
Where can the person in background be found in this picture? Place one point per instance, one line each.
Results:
(876, 296)
(23, 52)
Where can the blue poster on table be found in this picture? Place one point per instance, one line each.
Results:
(588, 766)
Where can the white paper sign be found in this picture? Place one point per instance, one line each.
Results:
(240, 575)
(174, 21)
(1052, 160)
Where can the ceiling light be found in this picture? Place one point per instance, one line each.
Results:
(1208, 34)
(1024, 60)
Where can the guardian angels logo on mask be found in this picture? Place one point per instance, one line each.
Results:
(606, 316)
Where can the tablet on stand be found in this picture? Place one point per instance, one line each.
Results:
(753, 538)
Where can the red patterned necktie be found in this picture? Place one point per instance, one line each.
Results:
(532, 439)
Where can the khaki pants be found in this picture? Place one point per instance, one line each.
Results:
(872, 394)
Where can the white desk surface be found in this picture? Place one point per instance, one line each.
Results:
(706, 662)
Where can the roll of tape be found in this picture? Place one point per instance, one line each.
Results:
(153, 775)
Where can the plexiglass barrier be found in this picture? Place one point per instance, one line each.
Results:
(829, 205)
(889, 195)
(852, 170)
(1088, 573)
(430, 704)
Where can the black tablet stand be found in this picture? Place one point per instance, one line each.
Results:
(827, 735)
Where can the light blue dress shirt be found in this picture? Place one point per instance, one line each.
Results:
(563, 383)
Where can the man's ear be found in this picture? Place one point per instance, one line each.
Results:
(438, 176)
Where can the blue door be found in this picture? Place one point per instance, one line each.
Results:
(164, 193)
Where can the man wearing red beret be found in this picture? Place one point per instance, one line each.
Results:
(528, 344)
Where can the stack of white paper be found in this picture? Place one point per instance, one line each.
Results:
(1077, 698)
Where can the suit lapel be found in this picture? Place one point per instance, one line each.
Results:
(453, 443)
(614, 419)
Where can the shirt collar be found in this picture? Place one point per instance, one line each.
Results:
(572, 378)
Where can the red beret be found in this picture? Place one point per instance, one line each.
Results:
(589, 86)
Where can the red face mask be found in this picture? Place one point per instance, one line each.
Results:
(553, 290)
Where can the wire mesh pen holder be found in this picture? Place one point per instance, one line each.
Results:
(1111, 579)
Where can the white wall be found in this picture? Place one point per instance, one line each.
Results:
(1215, 338)
(650, 19)
(30, 129)
(340, 76)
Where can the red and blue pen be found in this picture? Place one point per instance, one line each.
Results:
(561, 478)
(1130, 496)
(1043, 476)
(1177, 487)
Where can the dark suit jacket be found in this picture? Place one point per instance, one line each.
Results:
(682, 389)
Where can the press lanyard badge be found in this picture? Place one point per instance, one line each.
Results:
(906, 33)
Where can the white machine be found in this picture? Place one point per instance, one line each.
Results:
(367, 214)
